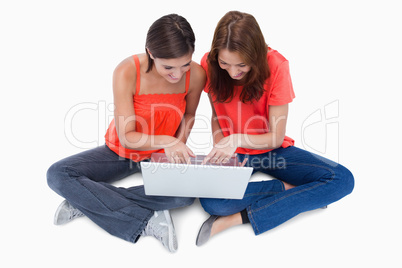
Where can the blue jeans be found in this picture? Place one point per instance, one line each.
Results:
(84, 180)
(318, 182)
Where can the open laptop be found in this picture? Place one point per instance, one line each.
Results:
(227, 180)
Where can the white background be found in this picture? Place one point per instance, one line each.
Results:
(344, 55)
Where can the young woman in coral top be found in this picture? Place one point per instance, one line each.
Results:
(155, 95)
(249, 87)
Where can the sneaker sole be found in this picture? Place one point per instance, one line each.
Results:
(56, 214)
(170, 230)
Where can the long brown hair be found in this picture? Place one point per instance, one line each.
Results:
(169, 37)
(238, 32)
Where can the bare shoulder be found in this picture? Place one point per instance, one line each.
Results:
(124, 75)
(197, 77)
(125, 69)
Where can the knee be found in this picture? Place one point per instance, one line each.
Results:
(345, 179)
(348, 180)
(185, 201)
(174, 202)
(54, 176)
(215, 206)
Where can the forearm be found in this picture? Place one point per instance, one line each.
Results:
(270, 140)
(143, 142)
(265, 141)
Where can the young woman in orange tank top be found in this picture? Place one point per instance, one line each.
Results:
(155, 97)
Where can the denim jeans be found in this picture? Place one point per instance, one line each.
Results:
(84, 180)
(318, 182)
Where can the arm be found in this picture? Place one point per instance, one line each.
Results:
(226, 147)
(217, 134)
(124, 81)
(271, 140)
(197, 82)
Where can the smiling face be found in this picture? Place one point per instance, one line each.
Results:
(172, 69)
(233, 64)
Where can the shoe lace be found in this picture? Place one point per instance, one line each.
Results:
(75, 213)
(152, 230)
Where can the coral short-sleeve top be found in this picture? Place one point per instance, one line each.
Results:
(252, 118)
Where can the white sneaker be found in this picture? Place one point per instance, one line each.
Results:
(66, 213)
(161, 227)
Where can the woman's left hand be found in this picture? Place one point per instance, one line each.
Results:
(223, 150)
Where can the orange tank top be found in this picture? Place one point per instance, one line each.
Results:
(156, 114)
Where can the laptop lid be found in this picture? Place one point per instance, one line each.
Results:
(227, 180)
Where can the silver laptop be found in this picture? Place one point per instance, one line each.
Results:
(227, 181)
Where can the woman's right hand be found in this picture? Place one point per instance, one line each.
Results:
(178, 152)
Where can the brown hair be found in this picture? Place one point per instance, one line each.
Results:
(169, 37)
(238, 32)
